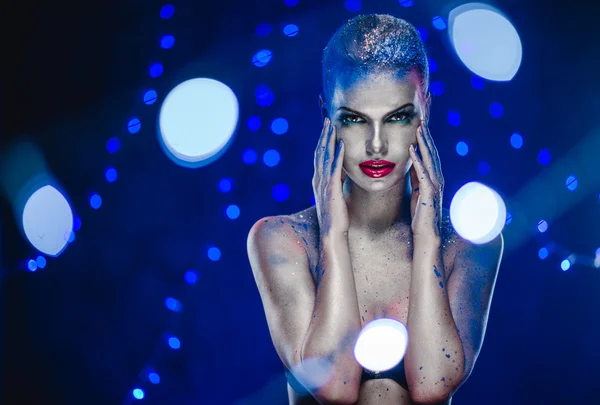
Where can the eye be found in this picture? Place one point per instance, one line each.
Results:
(401, 117)
(351, 119)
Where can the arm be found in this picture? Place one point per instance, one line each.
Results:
(447, 320)
(335, 322)
(300, 325)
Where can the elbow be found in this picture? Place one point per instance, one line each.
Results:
(346, 397)
(339, 392)
(326, 383)
(430, 397)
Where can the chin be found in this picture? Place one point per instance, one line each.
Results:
(380, 184)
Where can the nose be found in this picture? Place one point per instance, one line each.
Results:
(377, 143)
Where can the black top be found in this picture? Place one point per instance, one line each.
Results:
(396, 373)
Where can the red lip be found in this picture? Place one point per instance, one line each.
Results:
(377, 168)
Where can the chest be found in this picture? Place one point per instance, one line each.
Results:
(382, 268)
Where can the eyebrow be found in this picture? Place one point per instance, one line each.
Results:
(407, 105)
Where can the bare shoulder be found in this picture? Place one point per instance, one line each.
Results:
(461, 250)
(282, 231)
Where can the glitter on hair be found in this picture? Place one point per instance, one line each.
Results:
(373, 43)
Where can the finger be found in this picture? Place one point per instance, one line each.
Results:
(318, 156)
(338, 160)
(424, 148)
(329, 152)
(414, 179)
(421, 172)
(436, 175)
(435, 157)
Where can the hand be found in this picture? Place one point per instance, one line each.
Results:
(327, 182)
(427, 185)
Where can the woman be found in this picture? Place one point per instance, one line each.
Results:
(376, 243)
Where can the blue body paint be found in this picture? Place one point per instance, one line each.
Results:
(441, 284)
(437, 273)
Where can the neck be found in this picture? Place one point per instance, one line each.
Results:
(377, 212)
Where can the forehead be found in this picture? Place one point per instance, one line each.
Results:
(375, 92)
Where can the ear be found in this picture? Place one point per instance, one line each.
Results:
(323, 107)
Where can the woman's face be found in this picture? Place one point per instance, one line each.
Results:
(377, 117)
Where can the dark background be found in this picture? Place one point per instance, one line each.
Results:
(84, 329)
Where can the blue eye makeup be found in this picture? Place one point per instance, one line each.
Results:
(403, 117)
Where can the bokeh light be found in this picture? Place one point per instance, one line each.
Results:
(313, 373)
(544, 157)
(225, 185)
(167, 11)
(197, 122)
(271, 158)
(190, 277)
(249, 156)
(381, 344)
(150, 97)
(462, 148)
(154, 378)
(281, 192)
(542, 226)
(477, 212)
(290, 30)
(214, 254)
(95, 201)
(173, 305)
(138, 393)
(233, 211)
(134, 125)
(279, 126)
(516, 141)
(253, 123)
(433, 67)
(111, 174)
(496, 110)
(262, 58)
(353, 5)
(485, 41)
(453, 118)
(41, 262)
(47, 218)
(439, 23)
(571, 183)
(113, 145)
(264, 95)
(32, 265)
(167, 41)
(156, 70)
(543, 253)
(174, 342)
